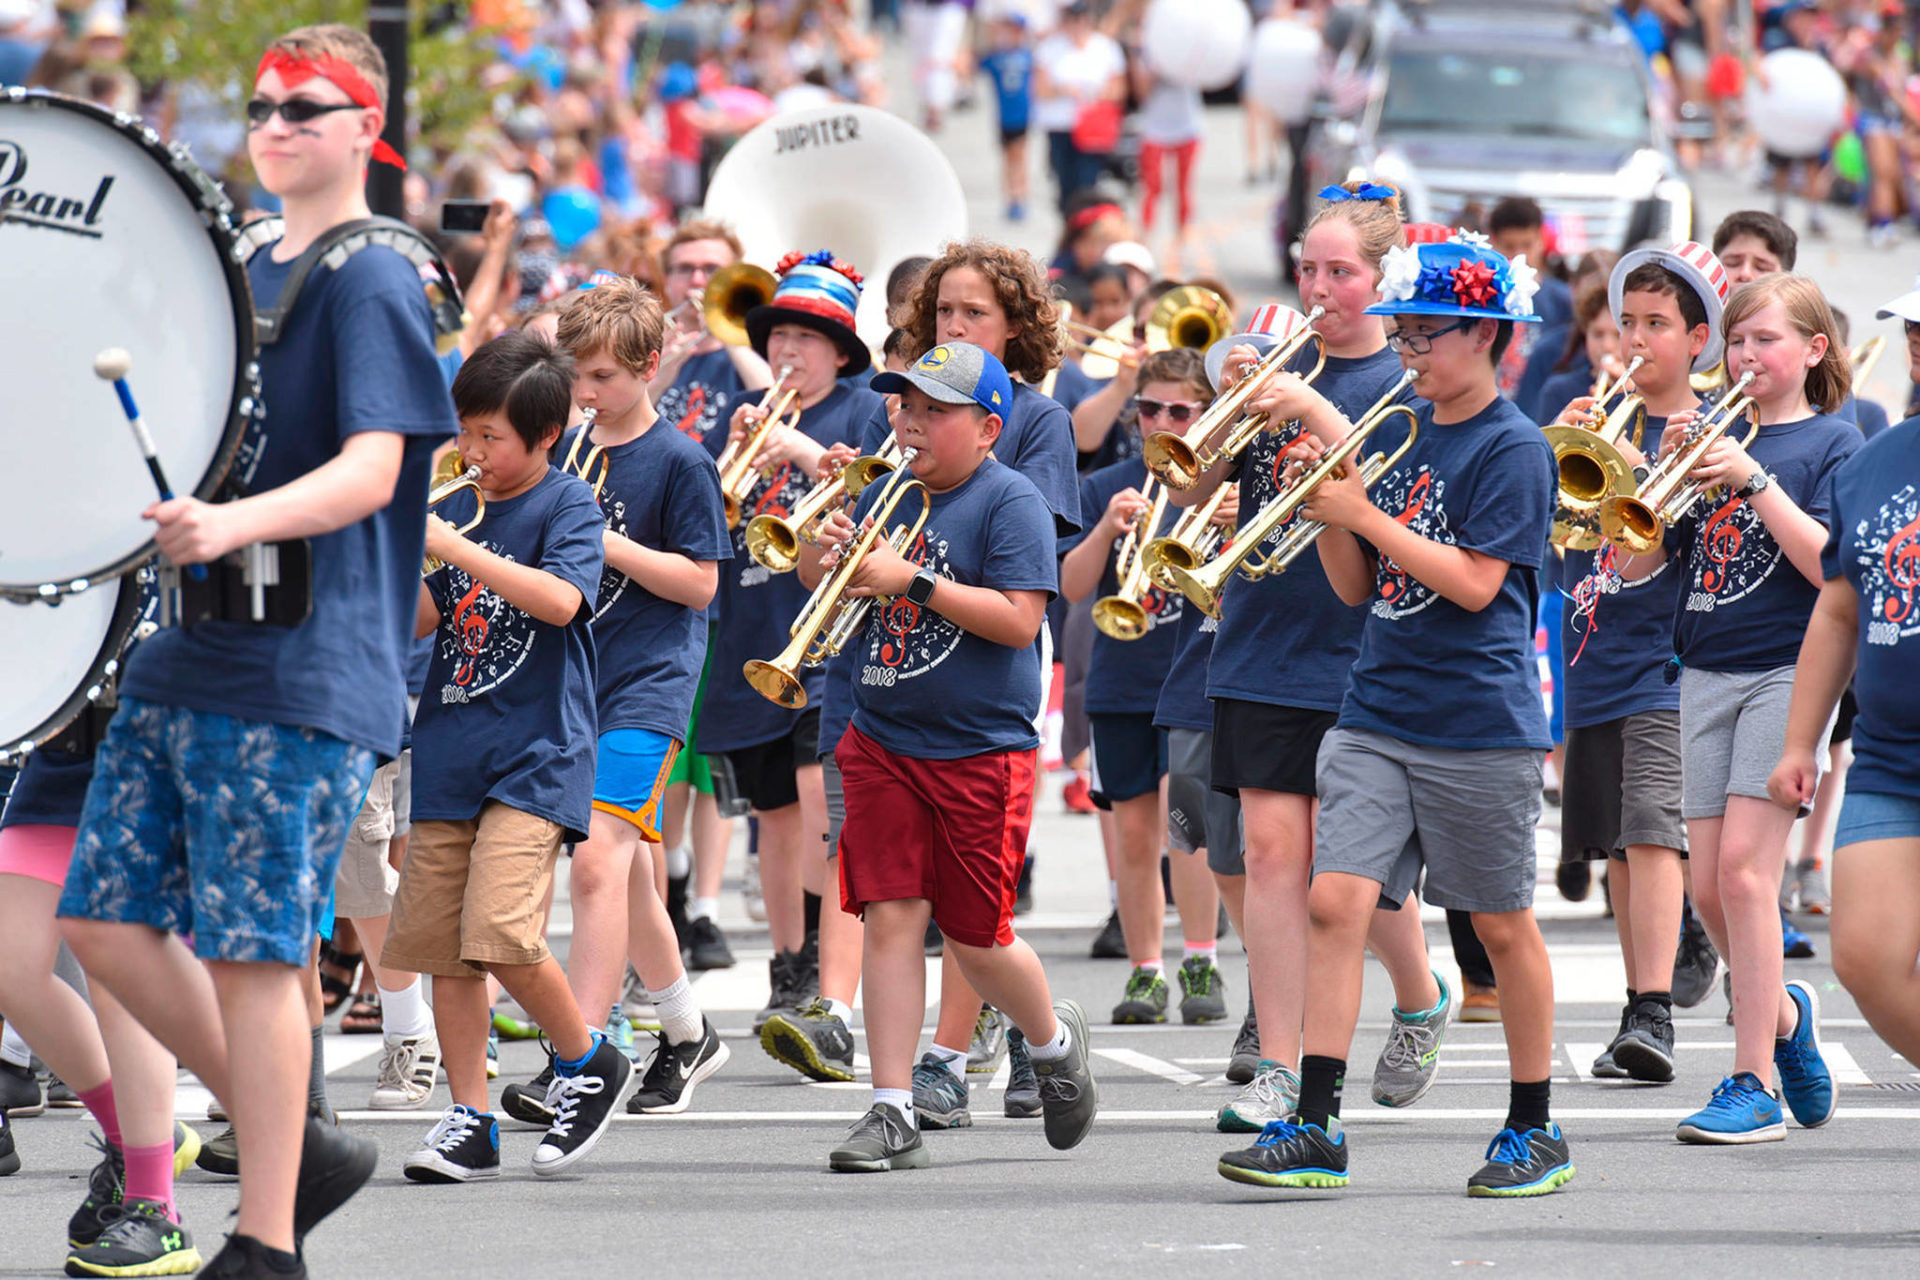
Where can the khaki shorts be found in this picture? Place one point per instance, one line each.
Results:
(470, 894)
(363, 887)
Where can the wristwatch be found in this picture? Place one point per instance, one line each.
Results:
(1758, 481)
(920, 590)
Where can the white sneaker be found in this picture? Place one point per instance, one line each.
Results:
(750, 891)
(409, 1066)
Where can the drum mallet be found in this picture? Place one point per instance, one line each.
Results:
(111, 365)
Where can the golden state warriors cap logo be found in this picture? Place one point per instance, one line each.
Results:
(995, 397)
(934, 358)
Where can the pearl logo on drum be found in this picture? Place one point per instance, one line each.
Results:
(50, 210)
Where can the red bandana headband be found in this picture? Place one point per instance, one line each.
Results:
(295, 69)
(1090, 215)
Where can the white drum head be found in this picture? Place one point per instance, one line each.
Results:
(103, 244)
(55, 654)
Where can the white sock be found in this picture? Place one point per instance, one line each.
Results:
(901, 1098)
(954, 1060)
(1113, 894)
(1211, 950)
(14, 1050)
(839, 1009)
(1156, 964)
(679, 862)
(679, 1011)
(405, 1012)
(1054, 1049)
(703, 908)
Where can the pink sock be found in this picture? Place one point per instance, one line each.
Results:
(150, 1175)
(99, 1100)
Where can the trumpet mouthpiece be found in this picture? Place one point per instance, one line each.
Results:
(112, 364)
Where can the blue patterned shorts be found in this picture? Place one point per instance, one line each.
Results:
(227, 830)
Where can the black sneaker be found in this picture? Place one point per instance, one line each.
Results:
(880, 1142)
(139, 1240)
(1203, 992)
(675, 1071)
(1244, 1062)
(1068, 1094)
(584, 1106)
(60, 1094)
(105, 1185)
(676, 905)
(806, 978)
(220, 1154)
(1694, 964)
(527, 1102)
(9, 1158)
(20, 1093)
(812, 1040)
(1022, 1101)
(989, 1043)
(463, 1147)
(1575, 880)
(1604, 1067)
(1524, 1164)
(707, 947)
(935, 943)
(1291, 1154)
(244, 1258)
(334, 1165)
(939, 1096)
(1110, 943)
(784, 974)
(1145, 999)
(1644, 1050)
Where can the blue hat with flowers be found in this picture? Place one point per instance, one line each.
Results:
(822, 292)
(1461, 276)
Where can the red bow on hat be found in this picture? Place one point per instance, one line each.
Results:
(1473, 284)
(296, 68)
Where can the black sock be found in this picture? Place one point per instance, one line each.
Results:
(1321, 1080)
(1664, 999)
(317, 1081)
(1527, 1105)
(810, 905)
(1632, 995)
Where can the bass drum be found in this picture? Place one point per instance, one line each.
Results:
(109, 238)
(60, 658)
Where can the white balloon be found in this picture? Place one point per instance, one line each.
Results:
(1201, 44)
(1803, 105)
(1283, 69)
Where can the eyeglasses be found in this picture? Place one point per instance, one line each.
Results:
(295, 110)
(1419, 344)
(691, 269)
(1913, 327)
(1181, 411)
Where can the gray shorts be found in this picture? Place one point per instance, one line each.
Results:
(363, 887)
(1733, 726)
(403, 795)
(1388, 808)
(1622, 787)
(836, 803)
(1198, 817)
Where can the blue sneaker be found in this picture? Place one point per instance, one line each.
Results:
(1795, 944)
(620, 1035)
(1741, 1111)
(1524, 1164)
(1291, 1154)
(1804, 1078)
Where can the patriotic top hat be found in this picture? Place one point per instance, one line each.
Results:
(1461, 276)
(1695, 264)
(822, 292)
(1267, 328)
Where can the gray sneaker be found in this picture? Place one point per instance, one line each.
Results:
(989, 1044)
(1411, 1058)
(939, 1096)
(1604, 1067)
(1145, 1000)
(1695, 963)
(1245, 1058)
(1068, 1093)
(1203, 992)
(1815, 900)
(1022, 1101)
(880, 1142)
(1272, 1095)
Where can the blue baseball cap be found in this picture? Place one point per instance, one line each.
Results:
(955, 373)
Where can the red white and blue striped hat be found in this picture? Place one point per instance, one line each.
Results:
(822, 292)
(1267, 328)
(1695, 264)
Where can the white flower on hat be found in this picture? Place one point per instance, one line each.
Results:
(1399, 273)
(1463, 236)
(1526, 283)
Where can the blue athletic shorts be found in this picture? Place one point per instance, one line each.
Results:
(631, 774)
(1876, 815)
(226, 829)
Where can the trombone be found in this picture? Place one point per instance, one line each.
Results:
(1863, 357)
(450, 477)
(781, 408)
(1203, 586)
(1180, 460)
(774, 541)
(1123, 615)
(1190, 316)
(1637, 521)
(830, 621)
(1592, 468)
(1189, 544)
(576, 465)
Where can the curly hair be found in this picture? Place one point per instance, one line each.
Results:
(1019, 284)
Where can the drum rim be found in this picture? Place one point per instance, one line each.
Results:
(120, 629)
(216, 219)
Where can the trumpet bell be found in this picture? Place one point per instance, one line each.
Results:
(1631, 524)
(1591, 468)
(773, 542)
(1120, 619)
(776, 683)
(1162, 556)
(1169, 456)
(862, 472)
(1202, 586)
(1190, 316)
(730, 294)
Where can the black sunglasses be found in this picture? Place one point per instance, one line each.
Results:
(1180, 411)
(295, 110)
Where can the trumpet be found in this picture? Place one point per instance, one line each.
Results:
(781, 407)
(1636, 522)
(584, 467)
(1190, 316)
(830, 621)
(1592, 468)
(731, 292)
(450, 477)
(1189, 544)
(774, 541)
(1863, 357)
(1123, 615)
(1180, 460)
(1203, 586)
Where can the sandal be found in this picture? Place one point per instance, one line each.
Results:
(338, 972)
(362, 1017)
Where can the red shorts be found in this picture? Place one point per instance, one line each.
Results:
(951, 831)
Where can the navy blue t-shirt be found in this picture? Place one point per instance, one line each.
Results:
(1743, 606)
(356, 355)
(1875, 544)
(836, 691)
(1125, 676)
(1865, 414)
(926, 689)
(702, 395)
(1012, 72)
(756, 606)
(1430, 671)
(1617, 635)
(1286, 639)
(1183, 698)
(661, 491)
(1561, 390)
(50, 790)
(509, 710)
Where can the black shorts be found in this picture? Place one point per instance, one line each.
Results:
(1843, 719)
(1268, 748)
(1010, 136)
(1622, 787)
(762, 775)
(1129, 756)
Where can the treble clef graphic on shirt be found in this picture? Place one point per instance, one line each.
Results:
(1287, 434)
(770, 503)
(691, 412)
(1586, 597)
(1722, 539)
(1903, 567)
(1395, 585)
(472, 629)
(900, 615)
